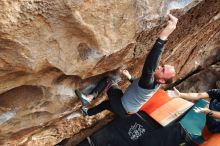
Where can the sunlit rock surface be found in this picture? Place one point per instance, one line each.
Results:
(50, 48)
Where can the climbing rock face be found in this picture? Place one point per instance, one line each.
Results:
(203, 80)
(50, 48)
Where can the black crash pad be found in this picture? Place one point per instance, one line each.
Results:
(123, 132)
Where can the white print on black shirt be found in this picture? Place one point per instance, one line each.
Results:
(136, 131)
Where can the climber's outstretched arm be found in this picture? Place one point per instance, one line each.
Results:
(147, 77)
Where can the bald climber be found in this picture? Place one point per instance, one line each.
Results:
(141, 89)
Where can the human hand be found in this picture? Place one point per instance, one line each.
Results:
(202, 110)
(176, 92)
(171, 26)
(218, 84)
(125, 73)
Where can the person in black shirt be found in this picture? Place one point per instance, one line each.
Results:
(141, 89)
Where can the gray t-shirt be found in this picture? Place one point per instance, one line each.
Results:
(135, 96)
